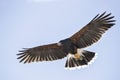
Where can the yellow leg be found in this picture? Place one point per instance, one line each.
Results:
(77, 56)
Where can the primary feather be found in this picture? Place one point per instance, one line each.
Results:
(93, 31)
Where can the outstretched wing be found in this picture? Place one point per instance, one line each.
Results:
(42, 53)
(93, 31)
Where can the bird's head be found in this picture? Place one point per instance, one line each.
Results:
(66, 42)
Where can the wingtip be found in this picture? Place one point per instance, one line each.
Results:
(113, 24)
(19, 54)
(104, 12)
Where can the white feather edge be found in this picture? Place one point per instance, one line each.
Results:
(83, 66)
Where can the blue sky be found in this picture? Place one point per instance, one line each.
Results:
(29, 23)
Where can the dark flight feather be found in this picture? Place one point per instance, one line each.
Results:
(42, 53)
(93, 31)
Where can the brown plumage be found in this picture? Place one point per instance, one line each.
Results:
(71, 47)
(42, 53)
(93, 31)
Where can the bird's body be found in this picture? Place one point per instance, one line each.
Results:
(76, 55)
(71, 47)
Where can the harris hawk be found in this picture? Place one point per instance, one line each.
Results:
(72, 47)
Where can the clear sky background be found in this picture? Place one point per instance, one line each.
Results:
(29, 23)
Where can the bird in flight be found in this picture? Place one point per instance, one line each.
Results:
(72, 47)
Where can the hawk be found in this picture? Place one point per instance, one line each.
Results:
(72, 47)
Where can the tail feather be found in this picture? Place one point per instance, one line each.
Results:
(85, 57)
